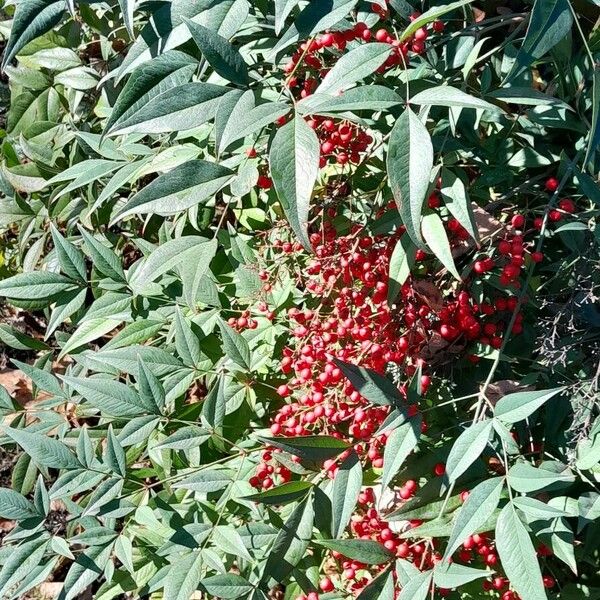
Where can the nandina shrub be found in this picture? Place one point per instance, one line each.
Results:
(300, 300)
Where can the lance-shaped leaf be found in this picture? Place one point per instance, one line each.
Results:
(417, 588)
(436, 237)
(112, 398)
(366, 97)
(457, 200)
(36, 285)
(518, 555)
(401, 442)
(187, 185)
(149, 80)
(435, 12)
(309, 447)
(294, 162)
(445, 95)
(477, 509)
(346, 488)
(550, 22)
(354, 66)
(401, 263)
(366, 551)
(43, 449)
(291, 542)
(468, 448)
(228, 586)
(219, 53)
(238, 116)
(235, 346)
(516, 407)
(15, 506)
(184, 576)
(32, 19)
(314, 17)
(178, 109)
(374, 387)
(409, 164)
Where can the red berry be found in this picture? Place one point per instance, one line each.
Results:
(518, 221)
(551, 184)
(439, 469)
(567, 205)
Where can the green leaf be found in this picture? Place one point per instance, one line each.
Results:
(137, 430)
(294, 163)
(291, 543)
(400, 443)
(282, 10)
(451, 576)
(112, 398)
(477, 509)
(526, 96)
(354, 66)
(184, 577)
(137, 332)
(436, 238)
(219, 53)
(314, 17)
(228, 586)
(536, 509)
(183, 107)
(417, 588)
(379, 588)
(369, 552)
(149, 80)
(124, 552)
(367, 97)
(346, 488)
(374, 387)
(103, 258)
(14, 338)
(457, 201)
(235, 346)
(549, 23)
(518, 555)
(227, 539)
(435, 12)
(190, 436)
(401, 264)
(41, 379)
(170, 255)
(208, 480)
(191, 184)
(409, 163)
(44, 450)
(517, 407)
(152, 392)
(186, 341)
(239, 117)
(114, 455)
(594, 136)
(32, 19)
(524, 477)
(19, 562)
(214, 405)
(282, 494)
(88, 331)
(445, 95)
(36, 285)
(15, 506)
(310, 447)
(468, 448)
(70, 258)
